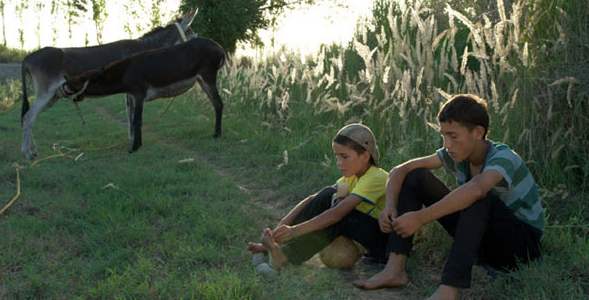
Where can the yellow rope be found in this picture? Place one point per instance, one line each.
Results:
(47, 158)
(17, 192)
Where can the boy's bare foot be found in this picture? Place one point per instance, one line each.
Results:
(256, 248)
(277, 257)
(383, 279)
(445, 292)
(393, 275)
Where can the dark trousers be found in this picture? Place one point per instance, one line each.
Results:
(487, 232)
(357, 226)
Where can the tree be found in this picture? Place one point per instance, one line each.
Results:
(99, 15)
(231, 21)
(3, 23)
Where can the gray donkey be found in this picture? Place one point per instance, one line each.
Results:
(48, 67)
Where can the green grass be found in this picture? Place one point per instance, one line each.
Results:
(115, 225)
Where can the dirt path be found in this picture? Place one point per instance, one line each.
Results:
(260, 197)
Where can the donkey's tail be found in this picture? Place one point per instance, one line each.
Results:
(25, 100)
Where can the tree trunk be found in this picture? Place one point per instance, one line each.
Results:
(3, 23)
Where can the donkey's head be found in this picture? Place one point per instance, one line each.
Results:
(76, 86)
(173, 33)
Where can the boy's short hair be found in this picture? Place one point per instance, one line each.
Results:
(466, 109)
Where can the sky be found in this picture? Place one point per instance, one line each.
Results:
(302, 29)
(306, 28)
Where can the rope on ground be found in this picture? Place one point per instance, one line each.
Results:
(171, 101)
(17, 167)
(56, 148)
(36, 162)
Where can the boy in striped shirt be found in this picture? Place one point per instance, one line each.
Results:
(495, 215)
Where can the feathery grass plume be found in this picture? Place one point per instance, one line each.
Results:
(464, 61)
(392, 70)
(525, 55)
(494, 97)
(386, 73)
(9, 93)
(477, 38)
(501, 10)
(488, 31)
(514, 98)
(570, 81)
(516, 18)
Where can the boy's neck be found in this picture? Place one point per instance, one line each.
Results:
(478, 156)
(363, 171)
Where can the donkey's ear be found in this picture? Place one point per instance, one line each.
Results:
(188, 18)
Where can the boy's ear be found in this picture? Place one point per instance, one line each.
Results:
(366, 155)
(479, 132)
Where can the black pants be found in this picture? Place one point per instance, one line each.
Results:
(486, 232)
(357, 226)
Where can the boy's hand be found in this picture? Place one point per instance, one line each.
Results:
(385, 219)
(407, 224)
(283, 233)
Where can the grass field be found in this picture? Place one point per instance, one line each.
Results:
(171, 220)
(115, 225)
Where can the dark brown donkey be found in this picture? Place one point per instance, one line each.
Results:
(48, 66)
(155, 74)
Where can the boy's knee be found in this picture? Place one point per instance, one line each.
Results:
(416, 176)
(481, 207)
(325, 195)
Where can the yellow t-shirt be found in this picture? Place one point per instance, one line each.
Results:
(371, 188)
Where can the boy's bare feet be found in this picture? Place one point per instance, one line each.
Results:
(277, 257)
(445, 292)
(383, 279)
(393, 275)
(256, 248)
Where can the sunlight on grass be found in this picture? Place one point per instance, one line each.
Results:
(110, 224)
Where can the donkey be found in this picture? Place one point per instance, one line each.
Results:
(155, 74)
(48, 66)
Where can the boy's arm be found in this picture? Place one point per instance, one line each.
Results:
(329, 217)
(460, 198)
(295, 211)
(396, 177)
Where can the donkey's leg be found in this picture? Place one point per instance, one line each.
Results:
(208, 82)
(136, 124)
(43, 101)
(130, 101)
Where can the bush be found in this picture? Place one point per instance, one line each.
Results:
(9, 55)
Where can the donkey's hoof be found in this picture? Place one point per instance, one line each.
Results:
(29, 153)
(134, 148)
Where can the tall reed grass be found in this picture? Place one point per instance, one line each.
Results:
(410, 58)
(9, 93)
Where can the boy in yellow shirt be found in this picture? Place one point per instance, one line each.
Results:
(318, 219)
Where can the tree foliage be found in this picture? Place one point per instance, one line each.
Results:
(232, 21)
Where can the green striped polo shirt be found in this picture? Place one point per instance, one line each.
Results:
(518, 189)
